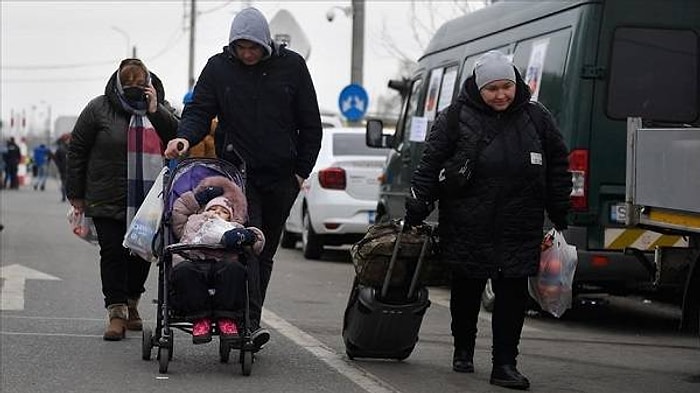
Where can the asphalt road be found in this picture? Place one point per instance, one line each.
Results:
(54, 342)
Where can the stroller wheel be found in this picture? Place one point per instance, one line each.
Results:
(224, 351)
(146, 343)
(163, 359)
(246, 362)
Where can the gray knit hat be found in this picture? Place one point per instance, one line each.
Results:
(493, 66)
(250, 24)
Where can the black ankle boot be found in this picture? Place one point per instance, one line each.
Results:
(508, 376)
(463, 360)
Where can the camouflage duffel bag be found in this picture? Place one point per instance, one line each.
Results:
(372, 254)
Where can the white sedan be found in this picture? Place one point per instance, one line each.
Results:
(338, 201)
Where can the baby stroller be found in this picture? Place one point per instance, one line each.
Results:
(185, 177)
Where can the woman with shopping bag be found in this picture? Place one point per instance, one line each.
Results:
(495, 161)
(114, 157)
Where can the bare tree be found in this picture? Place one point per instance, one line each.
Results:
(423, 20)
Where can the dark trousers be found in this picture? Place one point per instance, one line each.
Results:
(193, 280)
(268, 209)
(123, 274)
(507, 319)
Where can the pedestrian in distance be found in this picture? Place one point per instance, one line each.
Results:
(213, 213)
(114, 156)
(495, 162)
(60, 159)
(41, 156)
(265, 101)
(3, 153)
(12, 157)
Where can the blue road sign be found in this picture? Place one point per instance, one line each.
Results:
(353, 102)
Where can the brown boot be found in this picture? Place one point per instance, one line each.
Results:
(117, 314)
(134, 322)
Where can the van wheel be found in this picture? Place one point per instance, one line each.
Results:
(289, 240)
(311, 243)
(488, 297)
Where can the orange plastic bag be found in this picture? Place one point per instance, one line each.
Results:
(552, 285)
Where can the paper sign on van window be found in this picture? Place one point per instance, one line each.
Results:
(533, 74)
(448, 86)
(433, 89)
(419, 128)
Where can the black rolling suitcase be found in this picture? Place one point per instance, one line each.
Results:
(384, 323)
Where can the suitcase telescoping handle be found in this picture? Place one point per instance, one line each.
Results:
(394, 256)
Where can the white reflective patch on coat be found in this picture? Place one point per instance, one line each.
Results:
(535, 158)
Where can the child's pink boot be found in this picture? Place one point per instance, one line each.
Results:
(201, 331)
(228, 329)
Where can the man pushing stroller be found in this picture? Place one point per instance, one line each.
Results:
(208, 285)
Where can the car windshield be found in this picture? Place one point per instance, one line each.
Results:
(354, 145)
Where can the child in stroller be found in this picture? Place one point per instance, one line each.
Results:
(208, 285)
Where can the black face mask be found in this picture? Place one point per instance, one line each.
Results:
(134, 94)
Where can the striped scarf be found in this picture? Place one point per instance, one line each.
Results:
(145, 161)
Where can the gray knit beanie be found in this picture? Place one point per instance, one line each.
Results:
(250, 24)
(493, 66)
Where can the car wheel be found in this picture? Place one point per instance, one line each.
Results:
(311, 243)
(289, 240)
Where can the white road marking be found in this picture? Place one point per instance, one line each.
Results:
(53, 334)
(356, 374)
(15, 276)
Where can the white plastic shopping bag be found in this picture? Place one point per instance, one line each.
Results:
(551, 287)
(146, 222)
(82, 226)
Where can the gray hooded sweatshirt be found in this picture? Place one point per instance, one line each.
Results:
(250, 24)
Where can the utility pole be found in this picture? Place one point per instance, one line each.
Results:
(358, 41)
(193, 18)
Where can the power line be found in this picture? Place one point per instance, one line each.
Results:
(34, 67)
(54, 80)
(172, 41)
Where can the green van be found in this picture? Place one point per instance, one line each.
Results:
(593, 63)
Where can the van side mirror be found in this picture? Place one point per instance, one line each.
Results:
(374, 136)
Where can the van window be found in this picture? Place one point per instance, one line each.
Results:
(448, 88)
(440, 91)
(541, 62)
(411, 109)
(654, 74)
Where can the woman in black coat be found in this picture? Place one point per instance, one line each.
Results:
(501, 164)
(115, 154)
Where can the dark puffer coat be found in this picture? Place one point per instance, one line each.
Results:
(97, 159)
(495, 227)
(268, 112)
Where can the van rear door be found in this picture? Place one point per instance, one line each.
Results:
(648, 57)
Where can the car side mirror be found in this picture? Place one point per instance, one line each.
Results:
(374, 136)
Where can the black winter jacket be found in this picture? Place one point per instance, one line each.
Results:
(97, 159)
(495, 227)
(267, 112)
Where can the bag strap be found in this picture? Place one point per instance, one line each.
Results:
(536, 112)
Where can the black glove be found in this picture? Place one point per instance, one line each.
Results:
(416, 211)
(236, 238)
(204, 196)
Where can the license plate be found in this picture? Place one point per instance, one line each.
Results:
(371, 215)
(618, 213)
